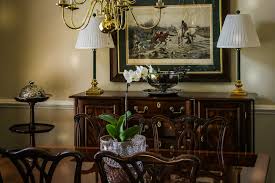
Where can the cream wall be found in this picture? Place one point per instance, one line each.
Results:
(36, 45)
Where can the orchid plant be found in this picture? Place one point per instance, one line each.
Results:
(115, 127)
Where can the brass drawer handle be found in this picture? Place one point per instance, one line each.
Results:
(176, 112)
(158, 105)
(158, 124)
(145, 108)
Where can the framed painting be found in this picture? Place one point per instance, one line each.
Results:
(186, 36)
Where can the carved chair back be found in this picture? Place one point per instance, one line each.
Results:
(188, 131)
(30, 160)
(198, 133)
(147, 167)
(147, 128)
(212, 133)
(88, 130)
(204, 134)
(163, 128)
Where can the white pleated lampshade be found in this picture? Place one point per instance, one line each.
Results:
(238, 31)
(92, 38)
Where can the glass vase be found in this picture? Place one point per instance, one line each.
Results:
(135, 145)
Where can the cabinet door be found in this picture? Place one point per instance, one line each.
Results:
(237, 134)
(94, 108)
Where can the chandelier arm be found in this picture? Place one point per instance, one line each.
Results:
(124, 19)
(78, 3)
(101, 6)
(85, 21)
(115, 12)
(130, 1)
(144, 27)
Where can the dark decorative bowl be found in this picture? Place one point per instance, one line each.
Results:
(163, 80)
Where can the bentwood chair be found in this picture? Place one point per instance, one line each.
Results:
(147, 167)
(37, 165)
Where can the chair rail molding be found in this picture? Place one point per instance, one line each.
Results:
(265, 109)
(69, 104)
(51, 104)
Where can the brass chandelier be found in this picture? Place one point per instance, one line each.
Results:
(114, 11)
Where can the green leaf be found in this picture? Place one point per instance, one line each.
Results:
(129, 133)
(108, 118)
(122, 120)
(111, 129)
(129, 114)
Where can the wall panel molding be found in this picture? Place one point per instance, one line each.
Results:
(265, 109)
(50, 104)
(69, 105)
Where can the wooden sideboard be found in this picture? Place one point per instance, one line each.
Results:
(239, 111)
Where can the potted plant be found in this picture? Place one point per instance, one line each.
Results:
(121, 140)
(124, 142)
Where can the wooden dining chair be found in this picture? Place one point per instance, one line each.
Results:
(147, 167)
(38, 165)
(213, 133)
(188, 131)
(196, 133)
(164, 132)
(212, 138)
(147, 128)
(88, 130)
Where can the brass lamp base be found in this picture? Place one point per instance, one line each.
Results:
(238, 91)
(94, 90)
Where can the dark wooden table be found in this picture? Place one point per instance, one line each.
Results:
(240, 167)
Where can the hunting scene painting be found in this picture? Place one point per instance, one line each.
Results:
(183, 37)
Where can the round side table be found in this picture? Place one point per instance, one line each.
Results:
(31, 128)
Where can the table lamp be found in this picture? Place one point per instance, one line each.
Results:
(238, 32)
(92, 38)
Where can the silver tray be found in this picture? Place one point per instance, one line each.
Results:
(168, 92)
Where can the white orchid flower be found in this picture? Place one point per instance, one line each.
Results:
(143, 71)
(131, 75)
(136, 75)
(151, 69)
(128, 76)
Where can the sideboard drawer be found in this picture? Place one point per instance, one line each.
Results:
(144, 107)
(153, 107)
